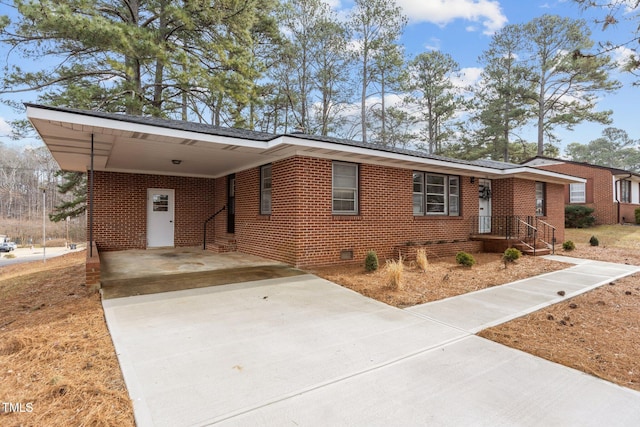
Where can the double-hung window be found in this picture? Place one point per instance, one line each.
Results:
(577, 193)
(435, 194)
(265, 190)
(345, 188)
(625, 191)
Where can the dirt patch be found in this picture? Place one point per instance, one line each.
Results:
(57, 362)
(444, 278)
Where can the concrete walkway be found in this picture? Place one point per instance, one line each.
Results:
(304, 351)
(479, 310)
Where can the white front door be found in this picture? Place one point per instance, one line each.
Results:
(160, 208)
(484, 196)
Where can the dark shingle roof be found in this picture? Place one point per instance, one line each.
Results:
(614, 171)
(420, 154)
(168, 123)
(264, 137)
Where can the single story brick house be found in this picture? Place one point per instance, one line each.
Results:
(300, 199)
(614, 194)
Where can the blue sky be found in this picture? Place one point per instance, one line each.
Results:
(463, 28)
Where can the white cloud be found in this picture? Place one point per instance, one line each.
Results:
(441, 12)
(621, 56)
(468, 76)
(5, 129)
(433, 44)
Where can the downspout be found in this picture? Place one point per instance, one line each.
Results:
(91, 203)
(615, 187)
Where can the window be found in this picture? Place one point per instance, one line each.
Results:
(540, 202)
(345, 188)
(625, 191)
(577, 193)
(265, 190)
(436, 194)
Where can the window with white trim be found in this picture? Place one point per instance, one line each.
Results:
(540, 199)
(265, 190)
(345, 188)
(577, 193)
(435, 194)
(625, 191)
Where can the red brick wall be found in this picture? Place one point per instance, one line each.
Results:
(555, 209)
(120, 208)
(599, 190)
(628, 212)
(514, 196)
(303, 231)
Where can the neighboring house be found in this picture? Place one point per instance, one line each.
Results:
(301, 199)
(614, 194)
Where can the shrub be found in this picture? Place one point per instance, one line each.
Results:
(465, 259)
(568, 245)
(637, 212)
(593, 241)
(576, 216)
(511, 255)
(371, 261)
(394, 271)
(421, 259)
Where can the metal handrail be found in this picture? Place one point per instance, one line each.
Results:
(530, 230)
(204, 238)
(516, 227)
(545, 234)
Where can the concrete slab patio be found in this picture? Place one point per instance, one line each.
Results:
(304, 351)
(150, 271)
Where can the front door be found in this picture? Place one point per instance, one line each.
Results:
(231, 204)
(160, 209)
(484, 196)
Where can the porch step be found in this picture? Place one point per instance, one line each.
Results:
(538, 252)
(223, 245)
(541, 248)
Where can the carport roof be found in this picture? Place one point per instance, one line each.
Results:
(140, 144)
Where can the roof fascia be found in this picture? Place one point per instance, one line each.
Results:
(37, 113)
(545, 173)
(410, 160)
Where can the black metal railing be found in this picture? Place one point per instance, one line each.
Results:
(547, 234)
(204, 237)
(528, 230)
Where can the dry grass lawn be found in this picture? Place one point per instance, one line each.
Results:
(57, 359)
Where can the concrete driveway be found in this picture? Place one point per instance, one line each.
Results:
(302, 351)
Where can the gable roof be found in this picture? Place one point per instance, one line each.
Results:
(139, 144)
(544, 160)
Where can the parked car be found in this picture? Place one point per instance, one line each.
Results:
(7, 246)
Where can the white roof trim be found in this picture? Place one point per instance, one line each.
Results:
(77, 121)
(125, 126)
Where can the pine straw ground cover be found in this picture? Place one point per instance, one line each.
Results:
(597, 332)
(443, 278)
(57, 362)
(56, 353)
